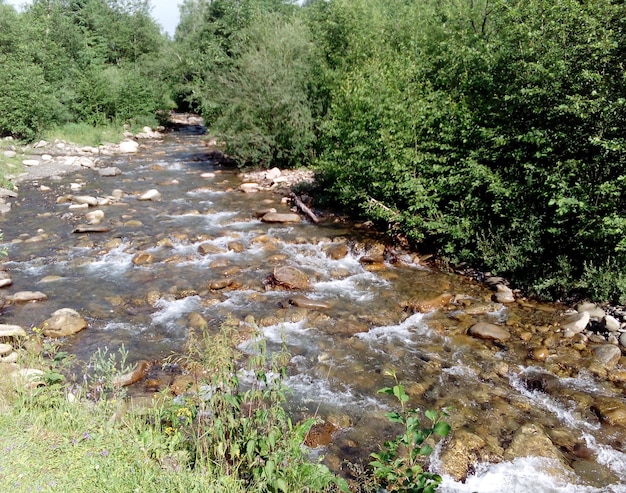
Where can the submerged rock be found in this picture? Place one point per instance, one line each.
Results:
(277, 217)
(290, 278)
(485, 330)
(27, 296)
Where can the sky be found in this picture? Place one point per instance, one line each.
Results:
(164, 11)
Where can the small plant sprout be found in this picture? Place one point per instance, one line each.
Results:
(399, 465)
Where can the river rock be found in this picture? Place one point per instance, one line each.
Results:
(610, 411)
(606, 356)
(6, 193)
(611, 323)
(424, 306)
(109, 171)
(85, 199)
(461, 453)
(152, 194)
(309, 304)
(128, 147)
(277, 217)
(9, 358)
(337, 251)
(5, 349)
(575, 323)
(595, 312)
(209, 249)
(485, 330)
(220, 284)
(320, 435)
(249, 187)
(27, 296)
(5, 208)
(11, 331)
(5, 279)
(143, 258)
(236, 246)
(272, 174)
(622, 339)
(95, 217)
(290, 278)
(219, 263)
(138, 373)
(10, 154)
(504, 294)
(197, 321)
(30, 162)
(63, 323)
(531, 441)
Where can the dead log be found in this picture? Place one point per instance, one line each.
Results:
(300, 205)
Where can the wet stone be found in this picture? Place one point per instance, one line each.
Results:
(27, 296)
(63, 322)
(275, 217)
(5, 279)
(143, 258)
(606, 356)
(485, 330)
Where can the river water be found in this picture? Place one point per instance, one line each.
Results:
(340, 350)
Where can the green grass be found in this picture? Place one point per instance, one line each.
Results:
(85, 134)
(87, 436)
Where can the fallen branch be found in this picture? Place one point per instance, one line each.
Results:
(300, 205)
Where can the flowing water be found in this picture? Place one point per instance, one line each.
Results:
(341, 350)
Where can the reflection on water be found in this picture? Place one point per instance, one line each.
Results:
(204, 231)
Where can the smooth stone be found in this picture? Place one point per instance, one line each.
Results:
(11, 358)
(276, 217)
(153, 195)
(594, 310)
(611, 323)
(4, 193)
(85, 199)
(249, 187)
(27, 296)
(5, 208)
(95, 216)
(260, 213)
(424, 306)
(504, 294)
(290, 277)
(272, 174)
(5, 349)
(337, 251)
(10, 154)
(236, 246)
(610, 411)
(220, 284)
(110, 171)
(46, 157)
(197, 321)
(138, 373)
(143, 258)
(607, 356)
(91, 228)
(576, 323)
(63, 322)
(5, 279)
(485, 330)
(219, 263)
(540, 353)
(622, 339)
(47, 279)
(30, 162)
(304, 302)
(128, 147)
(133, 223)
(7, 330)
(209, 249)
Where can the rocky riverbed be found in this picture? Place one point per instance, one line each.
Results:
(144, 245)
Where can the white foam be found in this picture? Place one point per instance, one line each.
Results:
(522, 475)
(172, 310)
(404, 331)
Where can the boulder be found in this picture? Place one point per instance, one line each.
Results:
(277, 217)
(424, 306)
(337, 251)
(606, 356)
(531, 441)
(63, 322)
(461, 454)
(611, 323)
(575, 323)
(85, 199)
(249, 187)
(128, 147)
(11, 331)
(504, 294)
(610, 411)
(153, 195)
(290, 278)
(272, 174)
(27, 296)
(209, 249)
(109, 171)
(485, 330)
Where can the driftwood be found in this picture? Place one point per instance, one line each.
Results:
(300, 205)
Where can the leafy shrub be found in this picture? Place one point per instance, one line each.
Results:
(399, 465)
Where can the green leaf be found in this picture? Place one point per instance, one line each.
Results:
(432, 415)
(442, 429)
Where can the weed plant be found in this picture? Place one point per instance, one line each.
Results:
(399, 465)
(60, 433)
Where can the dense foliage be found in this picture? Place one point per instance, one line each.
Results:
(490, 131)
(89, 61)
(487, 131)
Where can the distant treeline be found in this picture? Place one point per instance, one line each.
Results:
(491, 132)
